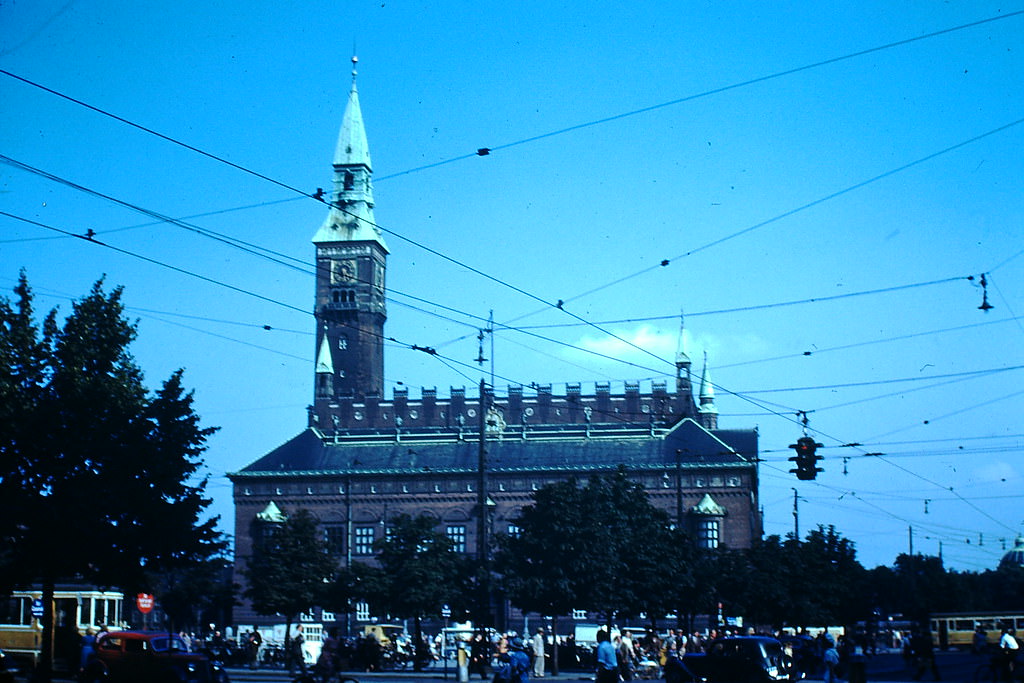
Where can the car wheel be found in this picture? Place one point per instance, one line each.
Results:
(94, 674)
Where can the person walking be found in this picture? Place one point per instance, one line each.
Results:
(831, 659)
(923, 651)
(607, 665)
(519, 661)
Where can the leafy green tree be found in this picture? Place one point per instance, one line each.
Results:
(81, 438)
(599, 545)
(201, 593)
(419, 572)
(289, 570)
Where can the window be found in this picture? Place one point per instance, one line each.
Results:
(363, 611)
(457, 535)
(364, 540)
(707, 533)
(513, 531)
(334, 539)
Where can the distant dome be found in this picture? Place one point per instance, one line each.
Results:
(1015, 557)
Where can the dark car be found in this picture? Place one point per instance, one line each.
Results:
(136, 656)
(6, 668)
(741, 659)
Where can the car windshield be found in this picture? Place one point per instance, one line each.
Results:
(161, 643)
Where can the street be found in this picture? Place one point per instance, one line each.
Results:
(890, 667)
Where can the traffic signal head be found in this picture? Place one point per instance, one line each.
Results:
(806, 458)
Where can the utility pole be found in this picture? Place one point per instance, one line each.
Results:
(483, 551)
(910, 535)
(679, 489)
(796, 516)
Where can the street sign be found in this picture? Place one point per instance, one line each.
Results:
(144, 601)
(37, 608)
(446, 611)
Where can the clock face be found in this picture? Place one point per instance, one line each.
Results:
(343, 272)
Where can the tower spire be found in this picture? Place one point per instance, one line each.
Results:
(350, 218)
(683, 363)
(351, 260)
(708, 411)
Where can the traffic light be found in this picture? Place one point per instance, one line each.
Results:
(806, 458)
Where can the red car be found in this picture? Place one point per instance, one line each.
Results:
(136, 656)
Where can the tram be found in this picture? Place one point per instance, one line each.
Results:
(75, 608)
(956, 629)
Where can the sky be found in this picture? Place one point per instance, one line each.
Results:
(817, 186)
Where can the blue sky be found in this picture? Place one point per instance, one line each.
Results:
(885, 172)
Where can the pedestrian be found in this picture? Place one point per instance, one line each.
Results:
(88, 648)
(1008, 647)
(923, 651)
(831, 659)
(537, 642)
(327, 663)
(607, 665)
(675, 670)
(298, 654)
(519, 662)
(626, 656)
(252, 648)
(979, 641)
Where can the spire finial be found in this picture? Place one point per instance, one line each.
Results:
(355, 61)
(682, 357)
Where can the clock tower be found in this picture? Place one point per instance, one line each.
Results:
(350, 265)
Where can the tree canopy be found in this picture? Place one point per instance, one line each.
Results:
(98, 475)
(83, 439)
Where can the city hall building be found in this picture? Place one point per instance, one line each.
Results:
(469, 459)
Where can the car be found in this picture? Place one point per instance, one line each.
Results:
(741, 659)
(6, 668)
(160, 657)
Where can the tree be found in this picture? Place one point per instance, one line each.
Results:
(83, 439)
(199, 594)
(289, 570)
(419, 572)
(600, 546)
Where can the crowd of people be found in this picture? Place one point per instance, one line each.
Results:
(618, 656)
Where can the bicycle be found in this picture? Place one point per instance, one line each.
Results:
(996, 670)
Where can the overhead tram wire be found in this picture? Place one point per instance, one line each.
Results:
(487, 151)
(240, 290)
(560, 304)
(756, 307)
(206, 214)
(153, 261)
(886, 512)
(786, 214)
(257, 250)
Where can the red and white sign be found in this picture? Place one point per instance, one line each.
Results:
(144, 601)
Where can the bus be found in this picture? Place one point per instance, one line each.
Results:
(956, 629)
(75, 609)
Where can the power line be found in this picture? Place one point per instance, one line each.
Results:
(486, 151)
(206, 214)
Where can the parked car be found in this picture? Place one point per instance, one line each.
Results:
(6, 668)
(135, 656)
(741, 659)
